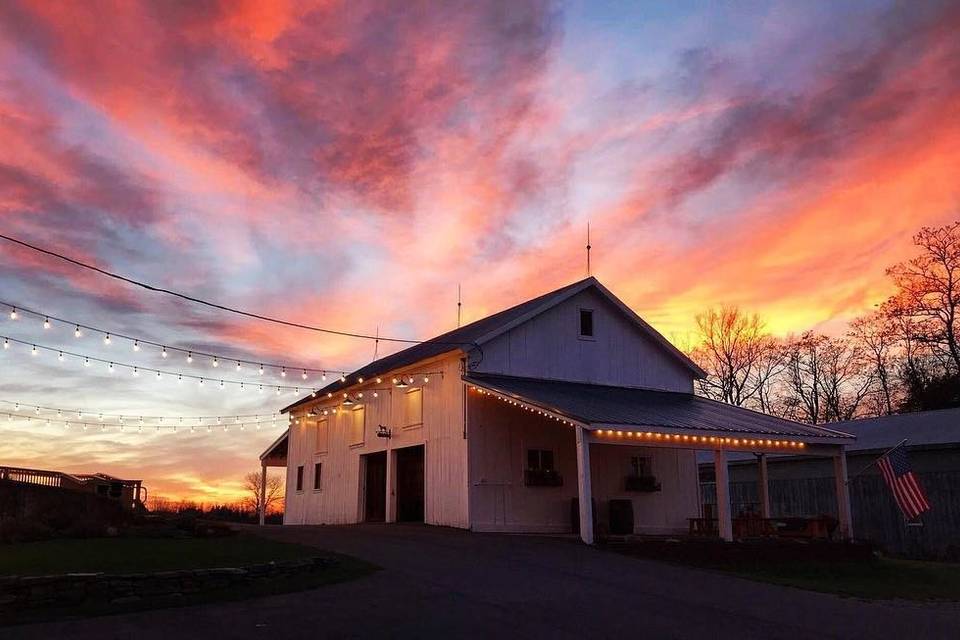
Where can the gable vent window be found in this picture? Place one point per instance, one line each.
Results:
(586, 323)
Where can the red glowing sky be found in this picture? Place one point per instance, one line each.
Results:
(349, 164)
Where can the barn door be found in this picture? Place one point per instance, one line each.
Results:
(410, 484)
(375, 482)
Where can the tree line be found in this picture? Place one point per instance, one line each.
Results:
(903, 356)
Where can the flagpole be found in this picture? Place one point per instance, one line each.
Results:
(875, 460)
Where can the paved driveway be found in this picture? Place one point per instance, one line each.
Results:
(447, 583)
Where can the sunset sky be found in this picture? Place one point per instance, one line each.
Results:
(348, 165)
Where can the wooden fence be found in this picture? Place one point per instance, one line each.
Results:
(876, 516)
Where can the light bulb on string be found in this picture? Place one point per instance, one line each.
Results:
(260, 370)
(136, 345)
(110, 367)
(304, 374)
(179, 378)
(343, 378)
(283, 372)
(60, 356)
(163, 352)
(16, 407)
(106, 338)
(77, 333)
(136, 372)
(323, 376)
(216, 362)
(158, 375)
(34, 351)
(46, 323)
(222, 385)
(86, 362)
(238, 366)
(6, 343)
(201, 382)
(189, 357)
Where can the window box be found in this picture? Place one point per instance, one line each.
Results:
(647, 484)
(542, 478)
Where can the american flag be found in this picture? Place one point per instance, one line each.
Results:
(907, 491)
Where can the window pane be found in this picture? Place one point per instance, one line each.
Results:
(546, 460)
(316, 475)
(586, 322)
(413, 407)
(357, 418)
(299, 478)
(533, 459)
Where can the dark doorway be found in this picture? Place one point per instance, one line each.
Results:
(375, 499)
(410, 484)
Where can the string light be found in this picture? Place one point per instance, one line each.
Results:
(216, 362)
(60, 356)
(46, 323)
(138, 342)
(13, 313)
(112, 365)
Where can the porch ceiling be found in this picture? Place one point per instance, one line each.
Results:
(601, 406)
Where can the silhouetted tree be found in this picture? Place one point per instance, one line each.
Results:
(929, 291)
(251, 484)
(737, 353)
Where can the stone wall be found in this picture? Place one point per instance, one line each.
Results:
(76, 589)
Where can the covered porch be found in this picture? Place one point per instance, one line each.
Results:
(605, 417)
(273, 456)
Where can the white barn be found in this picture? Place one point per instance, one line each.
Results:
(561, 414)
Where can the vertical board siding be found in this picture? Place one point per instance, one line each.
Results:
(549, 346)
(500, 436)
(340, 499)
(876, 516)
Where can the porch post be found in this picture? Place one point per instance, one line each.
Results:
(263, 493)
(764, 486)
(843, 494)
(583, 486)
(390, 512)
(723, 494)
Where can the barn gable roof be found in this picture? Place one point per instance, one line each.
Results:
(470, 338)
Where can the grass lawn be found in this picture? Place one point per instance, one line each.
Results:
(136, 555)
(881, 579)
(143, 555)
(861, 577)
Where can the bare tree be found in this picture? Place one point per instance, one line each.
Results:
(876, 336)
(929, 290)
(274, 492)
(736, 352)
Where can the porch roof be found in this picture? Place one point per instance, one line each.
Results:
(601, 406)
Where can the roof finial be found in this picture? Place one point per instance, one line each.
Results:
(459, 305)
(588, 250)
